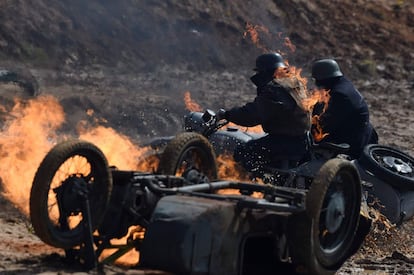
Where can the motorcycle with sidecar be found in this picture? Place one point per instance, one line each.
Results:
(387, 173)
(186, 224)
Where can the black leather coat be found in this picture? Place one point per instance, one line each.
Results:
(346, 119)
(277, 107)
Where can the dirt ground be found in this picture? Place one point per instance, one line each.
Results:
(22, 252)
(96, 70)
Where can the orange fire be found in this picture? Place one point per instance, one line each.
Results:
(30, 130)
(253, 32)
(229, 169)
(291, 72)
(119, 149)
(191, 105)
(314, 97)
(308, 99)
(255, 129)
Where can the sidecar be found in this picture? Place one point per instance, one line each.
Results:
(389, 174)
(193, 223)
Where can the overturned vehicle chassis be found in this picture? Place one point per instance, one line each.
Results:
(188, 225)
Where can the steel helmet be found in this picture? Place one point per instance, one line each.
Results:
(269, 62)
(325, 68)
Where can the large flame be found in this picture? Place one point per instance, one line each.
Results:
(308, 98)
(29, 131)
(118, 148)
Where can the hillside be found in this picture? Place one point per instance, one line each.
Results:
(142, 35)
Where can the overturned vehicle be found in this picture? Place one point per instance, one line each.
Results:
(192, 223)
(387, 173)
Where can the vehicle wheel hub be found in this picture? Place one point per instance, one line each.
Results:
(335, 212)
(70, 194)
(397, 165)
(194, 176)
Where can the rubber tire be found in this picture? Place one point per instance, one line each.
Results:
(304, 228)
(98, 200)
(368, 162)
(176, 149)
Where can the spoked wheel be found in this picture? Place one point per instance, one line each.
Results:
(71, 172)
(189, 155)
(324, 237)
(389, 164)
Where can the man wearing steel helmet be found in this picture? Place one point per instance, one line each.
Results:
(346, 118)
(277, 107)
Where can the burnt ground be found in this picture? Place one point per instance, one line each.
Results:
(132, 62)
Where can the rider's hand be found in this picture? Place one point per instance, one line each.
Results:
(221, 114)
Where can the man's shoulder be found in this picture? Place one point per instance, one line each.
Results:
(272, 88)
(344, 83)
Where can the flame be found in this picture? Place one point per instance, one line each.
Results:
(291, 72)
(27, 134)
(193, 106)
(317, 96)
(253, 32)
(288, 43)
(229, 169)
(308, 99)
(131, 258)
(119, 149)
(30, 130)
(255, 129)
(90, 112)
(190, 104)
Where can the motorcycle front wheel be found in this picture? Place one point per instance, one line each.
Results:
(390, 165)
(324, 236)
(189, 154)
(72, 173)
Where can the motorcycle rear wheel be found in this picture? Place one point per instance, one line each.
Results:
(187, 152)
(71, 170)
(324, 236)
(390, 165)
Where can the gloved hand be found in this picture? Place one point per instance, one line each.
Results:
(221, 114)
